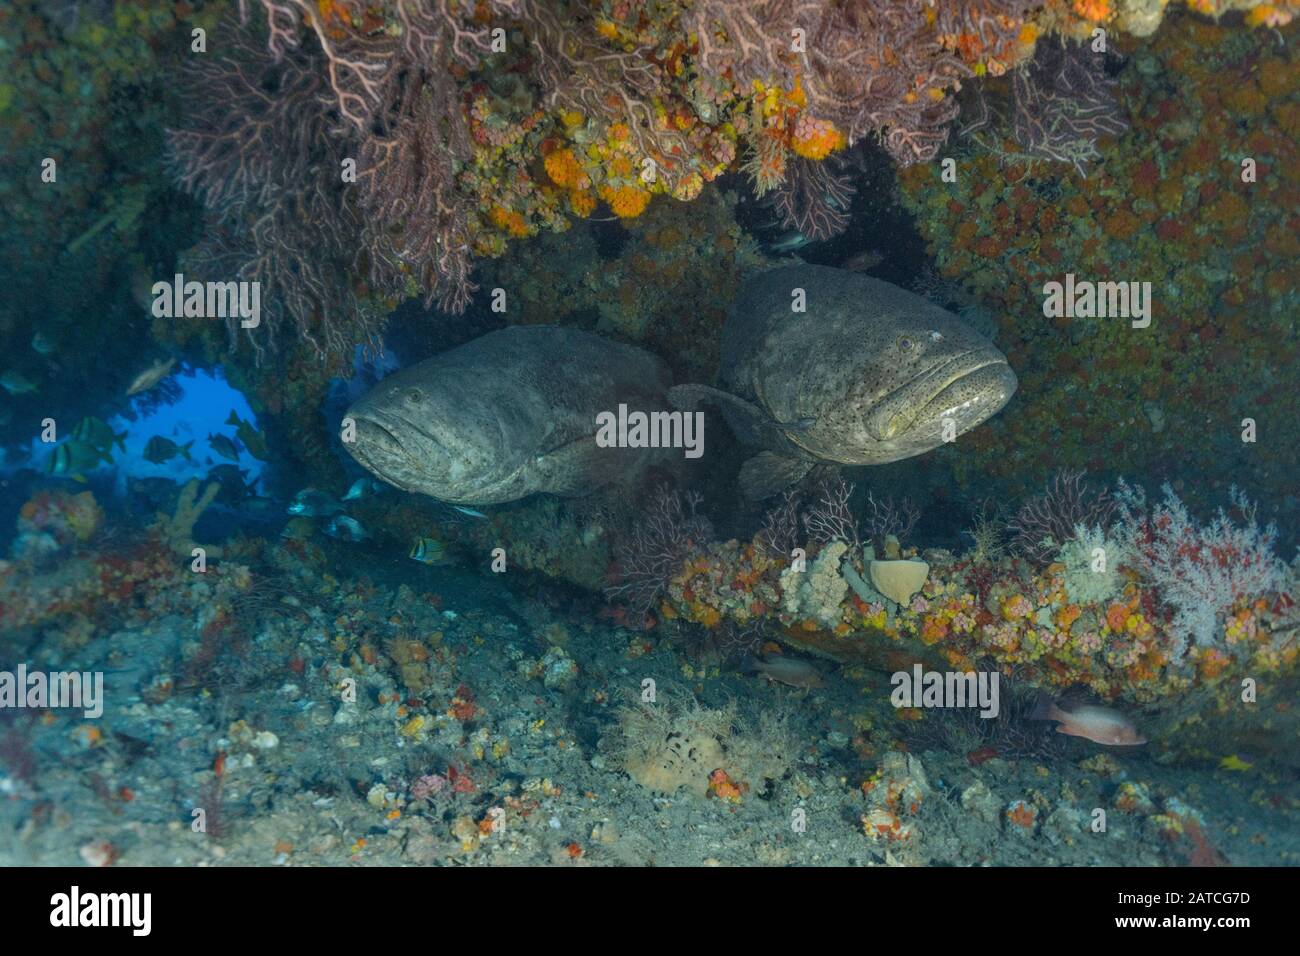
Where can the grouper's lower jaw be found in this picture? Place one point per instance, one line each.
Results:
(962, 387)
(974, 398)
(960, 405)
(378, 449)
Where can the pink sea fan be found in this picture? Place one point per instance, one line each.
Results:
(872, 67)
(780, 532)
(886, 518)
(577, 70)
(273, 127)
(1064, 102)
(830, 518)
(1201, 571)
(671, 530)
(815, 198)
(1047, 521)
(257, 150)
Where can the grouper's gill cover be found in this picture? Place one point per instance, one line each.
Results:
(507, 415)
(868, 374)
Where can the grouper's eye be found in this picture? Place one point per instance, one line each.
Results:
(905, 344)
(414, 396)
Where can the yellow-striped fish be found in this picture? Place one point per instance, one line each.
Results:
(430, 551)
(73, 458)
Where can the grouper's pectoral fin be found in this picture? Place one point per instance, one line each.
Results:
(768, 473)
(748, 422)
(688, 397)
(577, 468)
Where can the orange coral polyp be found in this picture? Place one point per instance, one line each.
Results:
(620, 166)
(509, 221)
(1093, 10)
(628, 202)
(816, 139)
(582, 202)
(563, 168)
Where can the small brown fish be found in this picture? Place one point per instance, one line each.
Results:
(785, 670)
(253, 440)
(151, 376)
(1101, 725)
(864, 261)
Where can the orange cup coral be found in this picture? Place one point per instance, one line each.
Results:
(628, 202)
(815, 138)
(563, 168)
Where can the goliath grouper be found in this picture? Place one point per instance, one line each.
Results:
(868, 374)
(507, 415)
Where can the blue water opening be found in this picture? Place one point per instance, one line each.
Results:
(205, 403)
(369, 367)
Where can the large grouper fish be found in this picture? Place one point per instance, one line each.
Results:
(507, 415)
(869, 373)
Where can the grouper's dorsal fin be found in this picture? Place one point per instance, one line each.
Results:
(751, 424)
(768, 473)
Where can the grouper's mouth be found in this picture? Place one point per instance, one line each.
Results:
(963, 391)
(376, 442)
(379, 449)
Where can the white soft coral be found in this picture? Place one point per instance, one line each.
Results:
(1201, 571)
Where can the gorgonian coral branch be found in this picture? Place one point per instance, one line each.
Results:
(886, 519)
(670, 531)
(830, 518)
(1049, 520)
(882, 67)
(1064, 102)
(394, 86)
(815, 198)
(578, 73)
(268, 173)
(276, 122)
(780, 532)
(752, 40)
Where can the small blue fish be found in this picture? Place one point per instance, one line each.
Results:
(346, 529)
(160, 449)
(16, 383)
(363, 488)
(42, 344)
(312, 503)
(224, 446)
